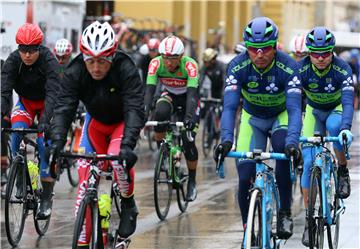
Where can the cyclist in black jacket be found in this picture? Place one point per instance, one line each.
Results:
(108, 83)
(31, 71)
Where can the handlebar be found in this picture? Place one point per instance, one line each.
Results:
(94, 157)
(172, 124)
(21, 130)
(211, 100)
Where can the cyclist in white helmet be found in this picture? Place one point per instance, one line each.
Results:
(62, 51)
(179, 76)
(108, 83)
(298, 48)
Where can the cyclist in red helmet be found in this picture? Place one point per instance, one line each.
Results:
(31, 71)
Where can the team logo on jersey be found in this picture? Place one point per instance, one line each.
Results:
(329, 88)
(271, 79)
(272, 88)
(252, 85)
(294, 82)
(191, 69)
(154, 65)
(231, 80)
(328, 80)
(348, 81)
(313, 86)
(253, 78)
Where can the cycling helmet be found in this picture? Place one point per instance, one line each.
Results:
(209, 54)
(297, 44)
(62, 47)
(320, 39)
(240, 48)
(171, 45)
(260, 32)
(153, 44)
(29, 34)
(98, 40)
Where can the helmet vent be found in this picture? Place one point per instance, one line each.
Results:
(104, 43)
(97, 42)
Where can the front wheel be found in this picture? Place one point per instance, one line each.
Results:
(73, 173)
(181, 189)
(87, 210)
(15, 202)
(254, 222)
(316, 220)
(334, 206)
(162, 183)
(207, 135)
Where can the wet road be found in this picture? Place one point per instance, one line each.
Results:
(212, 221)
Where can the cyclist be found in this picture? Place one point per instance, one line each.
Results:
(153, 46)
(240, 48)
(179, 76)
(298, 48)
(215, 71)
(62, 51)
(31, 71)
(108, 83)
(269, 83)
(329, 89)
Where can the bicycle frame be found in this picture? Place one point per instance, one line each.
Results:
(265, 182)
(318, 144)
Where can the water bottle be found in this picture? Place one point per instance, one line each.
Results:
(34, 174)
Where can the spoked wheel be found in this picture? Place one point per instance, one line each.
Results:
(115, 214)
(15, 202)
(316, 221)
(334, 204)
(207, 135)
(88, 210)
(162, 183)
(150, 137)
(181, 189)
(254, 222)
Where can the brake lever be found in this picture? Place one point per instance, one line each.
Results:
(345, 147)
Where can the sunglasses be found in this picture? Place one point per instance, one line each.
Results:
(262, 50)
(323, 54)
(31, 49)
(165, 57)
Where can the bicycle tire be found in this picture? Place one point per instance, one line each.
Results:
(334, 229)
(162, 198)
(150, 137)
(254, 221)
(181, 189)
(88, 205)
(72, 173)
(14, 236)
(316, 221)
(41, 226)
(207, 135)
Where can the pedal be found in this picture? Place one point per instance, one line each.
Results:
(122, 243)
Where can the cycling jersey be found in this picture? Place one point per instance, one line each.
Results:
(40, 81)
(216, 74)
(119, 96)
(326, 89)
(265, 93)
(184, 80)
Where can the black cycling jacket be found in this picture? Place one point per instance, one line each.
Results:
(117, 97)
(217, 75)
(40, 81)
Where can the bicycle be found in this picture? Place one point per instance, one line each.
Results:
(169, 173)
(211, 129)
(325, 206)
(19, 191)
(90, 201)
(264, 199)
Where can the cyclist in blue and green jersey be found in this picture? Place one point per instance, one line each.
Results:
(269, 82)
(179, 76)
(329, 89)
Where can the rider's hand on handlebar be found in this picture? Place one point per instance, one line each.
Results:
(189, 124)
(127, 154)
(221, 150)
(292, 150)
(348, 135)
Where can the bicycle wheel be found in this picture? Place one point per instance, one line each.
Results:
(316, 221)
(73, 173)
(87, 209)
(41, 226)
(181, 189)
(162, 183)
(334, 205)
(150, 137)
(15, 202)
(254, 222)
(207, 135)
